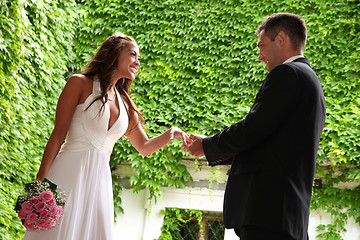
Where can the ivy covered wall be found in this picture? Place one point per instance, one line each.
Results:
(35, 45)
(199, 71)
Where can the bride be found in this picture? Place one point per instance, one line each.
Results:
(94, 110)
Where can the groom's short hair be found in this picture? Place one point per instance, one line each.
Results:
(291, 24)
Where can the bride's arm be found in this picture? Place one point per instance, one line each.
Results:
(68, 100)
(146, 146)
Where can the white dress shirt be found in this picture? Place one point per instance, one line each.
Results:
(293, 58)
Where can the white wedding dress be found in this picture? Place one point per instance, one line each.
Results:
(82, 170)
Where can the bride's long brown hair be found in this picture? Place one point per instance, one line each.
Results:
(104, 65)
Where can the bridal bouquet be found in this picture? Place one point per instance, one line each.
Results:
(40, 205)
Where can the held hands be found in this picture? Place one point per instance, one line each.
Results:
(176, 132)
(191, 143)
(195, 147)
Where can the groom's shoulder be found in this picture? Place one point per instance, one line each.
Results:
(282, 70)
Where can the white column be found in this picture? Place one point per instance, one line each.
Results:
(154, 219)
(130, 224)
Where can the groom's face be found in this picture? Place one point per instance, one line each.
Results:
(269, 52)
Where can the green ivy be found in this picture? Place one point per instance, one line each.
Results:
(35, 45)
(175, 217)
(341, 203)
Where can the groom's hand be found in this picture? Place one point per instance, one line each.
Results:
(195, 148)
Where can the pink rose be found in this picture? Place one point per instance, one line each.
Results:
(29, 225)
(21, 214)
(52, 202)
(49, 223)
(40, 206)
(31, 217)
(46, 196)
(53, 211)
(44, 213)
(60, 210)
(41, 222)
(34, 200)
(27, 207)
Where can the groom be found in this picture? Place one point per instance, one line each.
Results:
(273, 150)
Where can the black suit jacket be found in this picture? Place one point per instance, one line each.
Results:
(273, 152)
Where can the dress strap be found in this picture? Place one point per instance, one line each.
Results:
(96, 86)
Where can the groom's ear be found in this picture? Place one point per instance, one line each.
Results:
(282, 39)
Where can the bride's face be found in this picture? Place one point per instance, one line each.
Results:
(128, 61)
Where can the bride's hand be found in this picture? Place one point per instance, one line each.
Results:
(176, 132)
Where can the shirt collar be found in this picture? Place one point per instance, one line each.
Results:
(293, 58)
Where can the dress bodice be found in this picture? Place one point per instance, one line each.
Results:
(89, 127)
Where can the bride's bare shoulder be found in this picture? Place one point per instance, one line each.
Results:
(81, 79)
(80, 85)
